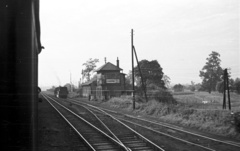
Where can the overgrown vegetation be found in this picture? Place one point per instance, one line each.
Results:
(178, 88)
(237, 121)
(161, 95)
(191, 113)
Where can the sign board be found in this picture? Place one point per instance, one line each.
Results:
(112, 81)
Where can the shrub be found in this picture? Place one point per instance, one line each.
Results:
(219, 87)
(237, 86)
(178, 88)
(182, 93)
(237, 121)
(139, 98)
(192, 88)
(162, 95)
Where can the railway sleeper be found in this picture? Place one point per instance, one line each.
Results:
(131, 141)
(136, 145)
(102, 143)
(143, 149)
(106, 147)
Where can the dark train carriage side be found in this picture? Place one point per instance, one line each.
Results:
(19, 49)
(61, 92)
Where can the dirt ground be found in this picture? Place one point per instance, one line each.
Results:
(54, 134)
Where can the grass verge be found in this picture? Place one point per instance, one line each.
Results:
(214, 121)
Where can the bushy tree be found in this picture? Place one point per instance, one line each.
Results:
(151, 72)
(220, 87)
(198, 86)
(237, 85)
(211, 73)
(231, 84)
(192, 86)
(166, 80)
(128, 81)
(90, 65)
(161, 95)
(178, 88)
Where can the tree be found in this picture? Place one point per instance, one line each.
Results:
(198, 86)
(166, 80)
(90, 65)
(152, 73)
(211, 73)
(231, 84)
(178, 88)
(220, 87)
(192, 86)
(237, 85)
(128, 81)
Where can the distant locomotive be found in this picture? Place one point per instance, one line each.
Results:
(61, 92)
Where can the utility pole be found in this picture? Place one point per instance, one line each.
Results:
(133, 92)
(70, 82)
(229, 102)
(82, 76)
(226, 87)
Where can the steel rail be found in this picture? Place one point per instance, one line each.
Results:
(85, 141)
(165, 134)
(182, 140)
(141, 136)
(164, 125)
(170, 127)
(105, 126)
(113, 140)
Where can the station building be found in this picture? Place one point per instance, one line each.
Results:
(109, 82)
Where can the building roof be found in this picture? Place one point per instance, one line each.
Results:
(108, 67)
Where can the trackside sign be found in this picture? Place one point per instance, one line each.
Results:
(112, 81)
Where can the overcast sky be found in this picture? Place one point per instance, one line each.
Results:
(180, 34)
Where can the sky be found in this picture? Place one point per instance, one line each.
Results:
(179, 34)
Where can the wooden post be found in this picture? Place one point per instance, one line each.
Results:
(132, 70)
(229, 102)
(224, 89)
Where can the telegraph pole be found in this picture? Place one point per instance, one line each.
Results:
(133, 92)
(70, 81)
(229, 102)
(82, 76)
(226, 87)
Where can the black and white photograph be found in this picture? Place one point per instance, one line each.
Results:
(120, 75)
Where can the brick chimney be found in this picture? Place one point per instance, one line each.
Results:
(117, 62)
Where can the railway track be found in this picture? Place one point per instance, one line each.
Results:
(200, 141)
(121, 132)
(124, 135)
(92, 138)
